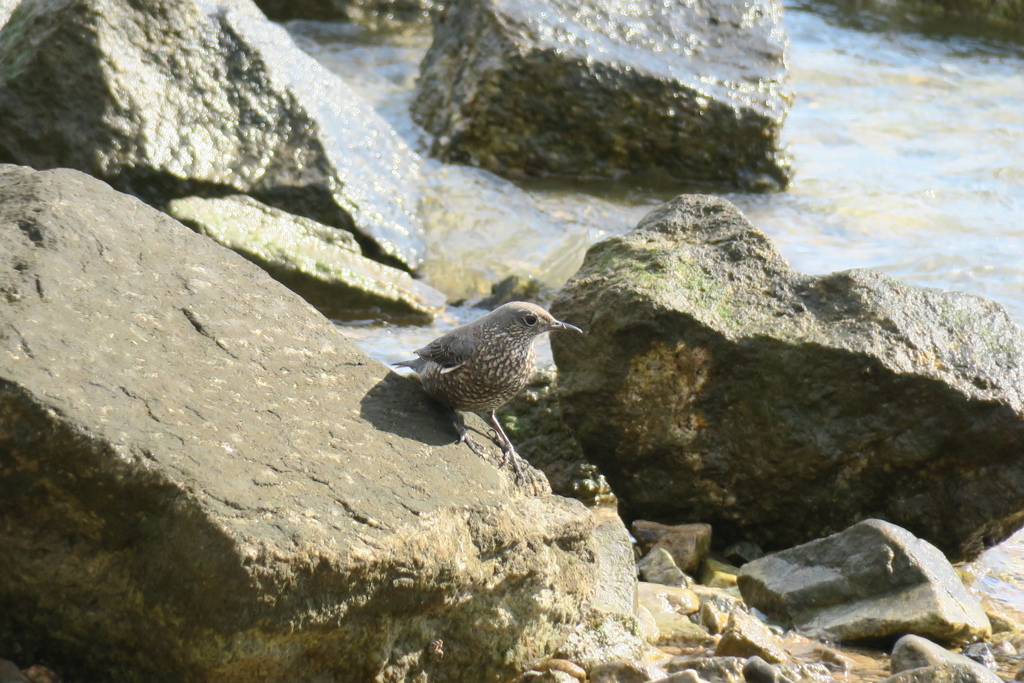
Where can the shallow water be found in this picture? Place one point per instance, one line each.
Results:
(908, 148)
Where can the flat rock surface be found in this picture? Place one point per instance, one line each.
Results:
(172, 98)
(717, 384)
(689, 90)
(873, 581)
(201, 479)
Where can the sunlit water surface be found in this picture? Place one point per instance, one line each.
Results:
(909, 157)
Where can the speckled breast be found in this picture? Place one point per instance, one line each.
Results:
(490, 379)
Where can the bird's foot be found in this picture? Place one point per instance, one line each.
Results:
(473, 445)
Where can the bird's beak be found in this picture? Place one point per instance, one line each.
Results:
(559, 325)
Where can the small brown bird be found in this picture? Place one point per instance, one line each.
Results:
(481, 366)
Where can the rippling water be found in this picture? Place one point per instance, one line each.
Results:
(909, 155)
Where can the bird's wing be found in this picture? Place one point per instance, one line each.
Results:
(449, 351)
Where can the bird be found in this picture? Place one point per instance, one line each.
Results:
(482, 365)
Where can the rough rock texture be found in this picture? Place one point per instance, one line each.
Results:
(715, 383)
(371, 13)
(691, 90)
(322, 264)
(201, 479)
(533, 421)
(168, 99)
(871, 582)
(915, 653)
(657, 566)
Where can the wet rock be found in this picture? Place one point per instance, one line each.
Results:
(688, 676)
(918, 659)
(714, 620)
(533, 421)
(375, 14)
(662, 598)
(647, 624)
(516, 288)
(625, 672)
(322, 264)
(687, 543)
(981, 653)
(657, 566)
(171, 99)
(872, 581)
(714, 382)
(718, 574)
(757, 670)
(746, 636)
(724, 599)
(207, 472)
(693, 91)
(714, 669)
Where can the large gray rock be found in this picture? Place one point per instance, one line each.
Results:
(717, 384)
(873, 581)
(691, 90)
(168, 99)
(201, 479)
(321, 263)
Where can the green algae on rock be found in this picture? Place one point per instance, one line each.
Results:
(716, 383)
(322, 264)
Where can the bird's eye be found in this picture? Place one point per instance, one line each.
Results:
(530, 319)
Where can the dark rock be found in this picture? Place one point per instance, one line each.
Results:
(742, 552)
(687, 543)
(516, 288)
(320, 263)
(169, 99)
(757, 670)
(693, 91)
(982, 654)
(533, 421)
(873, 581)
(716, 383)
(933, 662)
(746, 636)
(374, 14)
(218, 486)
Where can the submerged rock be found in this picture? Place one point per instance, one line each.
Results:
(322, 264)
(874, 581)
(690, 90)
(218, 486)
(168, 99)
(716, 383)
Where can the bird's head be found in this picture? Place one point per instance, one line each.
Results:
(524, 319)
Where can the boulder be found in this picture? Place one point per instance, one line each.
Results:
(201, 479)
(689, 90)
(322, 264)
(716, 383)
(916, 659)
(374, 14)
(657, 566)
(168, 99)
(873, 581)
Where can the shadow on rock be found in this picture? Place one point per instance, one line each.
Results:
(399, 406)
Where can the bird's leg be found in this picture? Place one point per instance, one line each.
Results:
(508, 451)
(464, 437)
